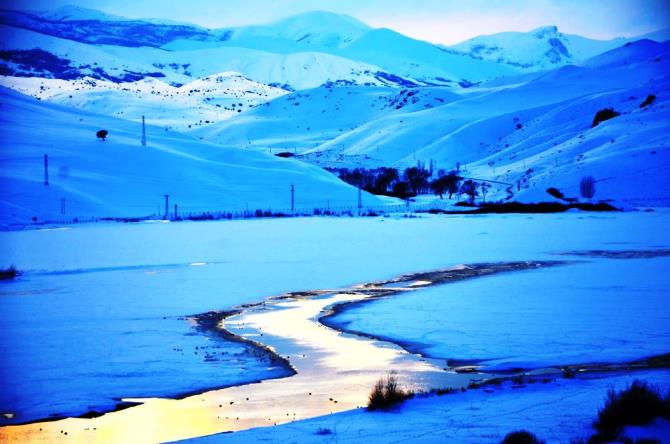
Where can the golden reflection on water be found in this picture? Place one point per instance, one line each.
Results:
(335, 372)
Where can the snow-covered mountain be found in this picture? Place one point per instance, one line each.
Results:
(542, 48)
(120, 178)
(302, 51)
(532, 135)
(315, 29)
(337, 93)
(91, 26)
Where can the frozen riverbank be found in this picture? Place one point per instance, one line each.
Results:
(332, 371)
(531, 319)
(133, 284)
(560, 411)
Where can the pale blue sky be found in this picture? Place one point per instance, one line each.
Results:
(440, 21)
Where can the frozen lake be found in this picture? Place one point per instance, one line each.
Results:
(105, 307)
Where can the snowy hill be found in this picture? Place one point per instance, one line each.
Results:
(319, 46)
(339, 93)
(531, 135)
(316, 29)
(540, 49)
(28, 53)
(200, 102)
(120, 178)
(91, 26)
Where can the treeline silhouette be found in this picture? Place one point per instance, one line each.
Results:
(408, 183)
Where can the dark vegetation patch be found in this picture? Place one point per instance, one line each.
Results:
(285, 154)
(621, 254)
(638, 404)
(37, 62)
(518, 207)
(9, 273)
(603, 115)
(392, 78)
(648, 101)
(387, 393)
(403, 184)
(129, 33)
(555, 192)
(521, 437)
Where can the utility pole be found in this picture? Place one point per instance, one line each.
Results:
(167, 199)
(292, 198)
(144, 133)
(360, 200)
(175, 211)
(46, 170)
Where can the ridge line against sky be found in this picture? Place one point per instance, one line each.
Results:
(437, 21)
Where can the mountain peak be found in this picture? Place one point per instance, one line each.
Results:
(545, 31)
(323, 18)
(314, 28)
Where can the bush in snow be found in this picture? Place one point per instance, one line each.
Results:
(8, 273)
(469, 187)
(602, 115)
(386, 393)
(648, 101)
(102, 134)
(555, 192)
(638, 404)
(446, 184)
(587, 187)
(521, 437)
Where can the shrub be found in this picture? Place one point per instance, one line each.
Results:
(555, 192)
(469, 187)
(324, 431)
(587, 187)
(638, 404)
(521, 437)
(648, 101)
(8, 273)
(285, 154)
(386, 393)
(602, 115)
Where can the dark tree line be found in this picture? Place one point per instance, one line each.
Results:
(408, 183)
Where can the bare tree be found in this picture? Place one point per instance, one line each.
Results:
(587, 187)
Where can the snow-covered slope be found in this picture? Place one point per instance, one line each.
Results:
(120, 178)
(320, 117)
(201, 102)
(28, 53)
(421, 60)
(540, 49)
(91, 26)
(532, 135)
(340, 45)
(316, 29)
